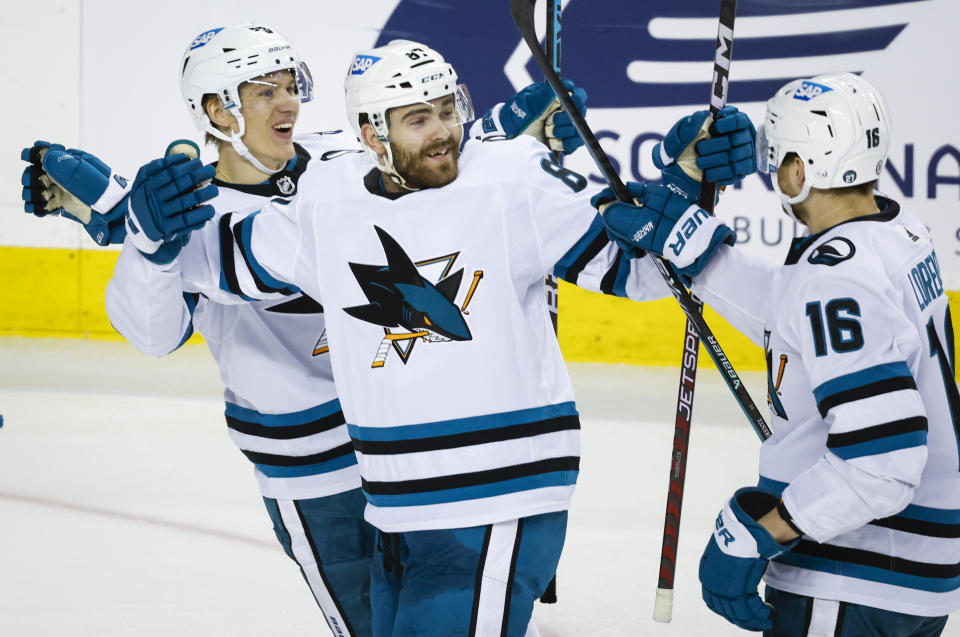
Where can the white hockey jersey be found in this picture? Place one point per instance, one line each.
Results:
(864, 408)
(449, 374)
(282, 409)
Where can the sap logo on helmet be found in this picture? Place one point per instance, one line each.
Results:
(204, 37)
(810, 90)
(849, 177)
(362, 63)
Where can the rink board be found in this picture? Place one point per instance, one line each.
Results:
(55, 292)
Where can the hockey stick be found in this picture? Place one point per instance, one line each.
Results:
(522, 11)
(663, 602)
(553, 288)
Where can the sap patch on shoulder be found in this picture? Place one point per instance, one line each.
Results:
(810, 90)
(362, 63)
(832, 251)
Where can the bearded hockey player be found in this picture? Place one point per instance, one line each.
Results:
(430, 266)
(243, 86)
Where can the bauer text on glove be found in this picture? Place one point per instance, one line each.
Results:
(736, 556)
(667, 224)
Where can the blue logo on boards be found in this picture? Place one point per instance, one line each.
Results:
(361, 63)
(630, 54)
(810, 90)
(204, 37)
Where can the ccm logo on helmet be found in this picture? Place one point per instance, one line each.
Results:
(361, 63)
(204, 37)
(810, 90)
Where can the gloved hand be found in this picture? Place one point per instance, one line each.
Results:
(535, 111)
(76, 185)
(164, 205)
(696, 149)
(736, 557)
(665, 223)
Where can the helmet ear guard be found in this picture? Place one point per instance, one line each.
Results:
(220, 60)
(837, 123)
(400, 73)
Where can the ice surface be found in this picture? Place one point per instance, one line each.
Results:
(126, 510)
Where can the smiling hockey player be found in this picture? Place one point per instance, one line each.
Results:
(855, 522)
(463, 421)
(282, 410)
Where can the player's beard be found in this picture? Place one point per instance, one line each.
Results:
(412, 165)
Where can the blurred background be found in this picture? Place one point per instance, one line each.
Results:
(103, 75)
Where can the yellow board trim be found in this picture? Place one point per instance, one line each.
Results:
(50, 292)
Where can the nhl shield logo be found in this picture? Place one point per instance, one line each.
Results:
(285, 185)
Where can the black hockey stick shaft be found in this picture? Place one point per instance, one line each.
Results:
(552, 285)
(522, 11)
(663, 603)
(553, 303)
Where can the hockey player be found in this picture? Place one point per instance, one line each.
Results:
(430, 267)
(281, 404)
(855, 522)
(282, 409)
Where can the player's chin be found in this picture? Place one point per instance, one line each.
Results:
(440, 176)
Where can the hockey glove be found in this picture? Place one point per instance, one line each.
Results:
(665, 223)
(696, 149)
(535, 111)
(164, 206)
(736, 557)
(77, 186)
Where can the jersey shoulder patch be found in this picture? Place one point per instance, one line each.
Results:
(832, 251)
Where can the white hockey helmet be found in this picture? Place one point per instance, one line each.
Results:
(400, 73)
(218, 61)
(837, 123)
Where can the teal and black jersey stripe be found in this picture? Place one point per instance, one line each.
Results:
(583, 251)
(462, 439)
(266, 439)
(491, 482)
(509, 465)
(280, 426)
(916, 519)
(274, 460)
(873, 566)
(866, 383)
(889, 436)
(586, 249)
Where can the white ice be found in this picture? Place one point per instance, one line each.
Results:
(126, 510)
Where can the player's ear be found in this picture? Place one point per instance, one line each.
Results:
(794, 170)
(219, 116)
(372, 140)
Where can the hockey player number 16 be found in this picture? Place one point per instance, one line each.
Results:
(845, 332)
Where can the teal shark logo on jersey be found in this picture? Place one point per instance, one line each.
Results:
(408, 305)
